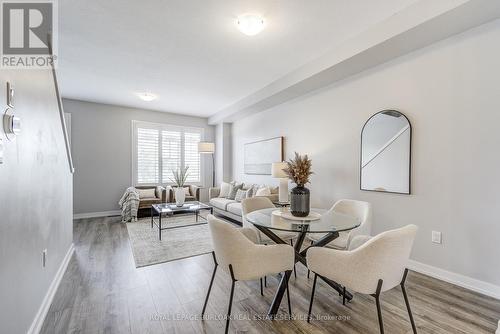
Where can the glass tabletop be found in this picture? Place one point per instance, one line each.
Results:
(330, 221)
(187, 207)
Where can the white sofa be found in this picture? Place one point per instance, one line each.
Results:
(229, 207)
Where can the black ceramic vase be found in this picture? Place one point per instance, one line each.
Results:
(299, 201)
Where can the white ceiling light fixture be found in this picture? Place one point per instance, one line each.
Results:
(250, 24)
(148, 97)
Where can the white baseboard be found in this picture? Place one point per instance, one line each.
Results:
(470, 283)
(97, 214)
(37, 323)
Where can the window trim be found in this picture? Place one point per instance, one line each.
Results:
(163, 126)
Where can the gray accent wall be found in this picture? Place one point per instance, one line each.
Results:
(36, 199)
(449, 91)
(101, 140)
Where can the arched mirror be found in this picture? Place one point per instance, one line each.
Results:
(386, 153)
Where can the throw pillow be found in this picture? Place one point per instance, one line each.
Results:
(146, 193)
(224, 189)
(252, 190)
(263, 191)
(240, 195)
(249, 192)
(187, 191)
(233, 189)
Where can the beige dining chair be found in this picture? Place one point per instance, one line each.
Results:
(252, 204)
(359, 209)
(372, 267)
(237, 252)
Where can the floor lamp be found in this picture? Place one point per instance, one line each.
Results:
(208, 148)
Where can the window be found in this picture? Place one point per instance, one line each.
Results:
(147, 156)
(171, 153)
(191, 155)
(160, 148)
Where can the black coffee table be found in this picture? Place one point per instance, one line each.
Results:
(171, 209)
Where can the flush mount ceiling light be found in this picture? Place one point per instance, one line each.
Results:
(146, 96)
(250, 24)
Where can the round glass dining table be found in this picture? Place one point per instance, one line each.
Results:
(330, 223)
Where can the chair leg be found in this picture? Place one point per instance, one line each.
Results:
(265, 279)
(294, 271)
(312, 298)
(379, 310)
(407, 302)
(288, 294)
(308, 271)
(261, 290)
(209, 287)
(230, 299)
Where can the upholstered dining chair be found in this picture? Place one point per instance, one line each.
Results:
(372, 267)
(238, 254)
(359, 209)
(252, 204)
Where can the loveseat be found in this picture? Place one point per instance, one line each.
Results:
(194, 194)
(159, 195)
(231, 208)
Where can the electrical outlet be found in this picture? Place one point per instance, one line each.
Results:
(436, 237)
(44, 257)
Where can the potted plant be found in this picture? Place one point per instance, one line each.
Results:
(180, 177)
(299, 171)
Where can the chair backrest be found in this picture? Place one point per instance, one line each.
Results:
(384, 257)
(252, 204)
(359, 209)
(229, 244)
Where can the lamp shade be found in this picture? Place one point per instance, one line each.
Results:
(277, 170)
(206, 147)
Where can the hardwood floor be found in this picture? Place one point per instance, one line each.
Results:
(103, 292)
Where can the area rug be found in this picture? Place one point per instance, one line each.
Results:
(175, 244)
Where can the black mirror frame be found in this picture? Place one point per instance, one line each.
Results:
(409, 162)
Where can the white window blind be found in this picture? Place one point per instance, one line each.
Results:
(161, 148)
(171, 153)
(191, 155)
(147, 156)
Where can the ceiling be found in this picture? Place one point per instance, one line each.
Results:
(190, 53)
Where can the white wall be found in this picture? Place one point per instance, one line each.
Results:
(102, 150)
(35, 200)
(223, 154)
(450, 93)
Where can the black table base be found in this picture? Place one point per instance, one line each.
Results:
(300, 256)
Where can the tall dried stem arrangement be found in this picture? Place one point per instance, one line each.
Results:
(298, 169)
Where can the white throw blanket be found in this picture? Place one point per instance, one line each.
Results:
(129, 203)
